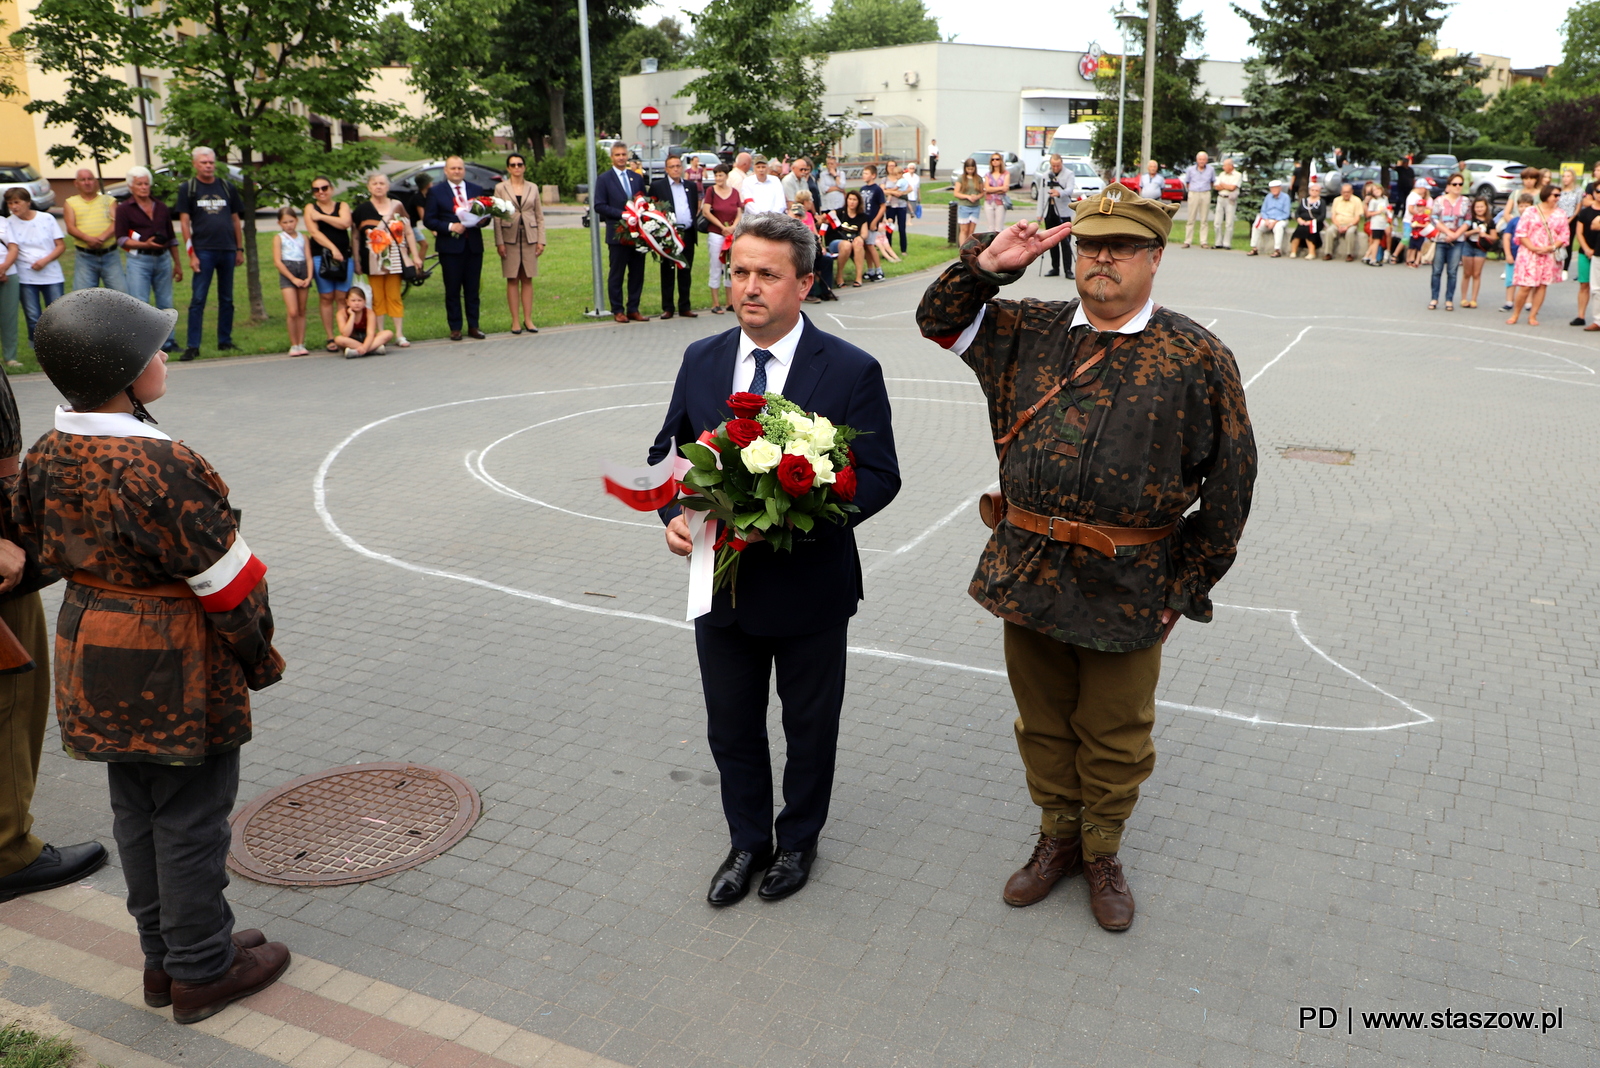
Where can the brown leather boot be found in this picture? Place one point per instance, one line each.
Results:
(1053, 859)
(252, 971)
(1109, 897)
(158, 984)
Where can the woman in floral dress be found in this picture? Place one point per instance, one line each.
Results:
(1540, 232)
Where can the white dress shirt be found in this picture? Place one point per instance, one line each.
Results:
(680, 204)
(764, 196)
(1132, 326)
(744, 368)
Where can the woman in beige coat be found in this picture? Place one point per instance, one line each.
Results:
(520, 241)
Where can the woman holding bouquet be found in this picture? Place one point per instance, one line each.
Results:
(520, 241)
(390, 246)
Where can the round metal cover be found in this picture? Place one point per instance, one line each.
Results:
(351, 824)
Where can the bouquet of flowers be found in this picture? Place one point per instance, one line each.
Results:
(773, 468)
(479, 210)
(644, 224)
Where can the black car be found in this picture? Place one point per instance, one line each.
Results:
(405, 181)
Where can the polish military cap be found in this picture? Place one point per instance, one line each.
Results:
(1120, 212)
(93, 343)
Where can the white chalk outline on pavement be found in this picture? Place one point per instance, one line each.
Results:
(319, 497)
(859, 329)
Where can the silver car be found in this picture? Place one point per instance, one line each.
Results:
(23, 174)
(1018, 169)
(1086, 181)
(1494, 178)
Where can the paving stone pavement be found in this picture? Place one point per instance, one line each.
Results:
(1368, 792)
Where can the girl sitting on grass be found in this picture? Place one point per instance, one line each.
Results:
(358, 327)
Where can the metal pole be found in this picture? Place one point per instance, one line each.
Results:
(1122, 97)
(588, 145)
(1149, 80)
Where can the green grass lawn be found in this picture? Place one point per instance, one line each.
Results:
(560, 294)
(25, 1049)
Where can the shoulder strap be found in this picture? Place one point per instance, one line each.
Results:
(1027, 417)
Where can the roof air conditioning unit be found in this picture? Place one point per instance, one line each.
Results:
(912, 77)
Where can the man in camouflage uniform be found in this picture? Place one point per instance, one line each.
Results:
(1112, 416)
(164, 630)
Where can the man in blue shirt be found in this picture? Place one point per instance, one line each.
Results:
(1198, 179)
(1274, 219)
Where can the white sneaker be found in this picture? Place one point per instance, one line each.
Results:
(382, 350)
(351, 354)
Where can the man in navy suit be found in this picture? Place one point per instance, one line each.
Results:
(794, 608)
(681, 202)
(460, 247)
(613, 190)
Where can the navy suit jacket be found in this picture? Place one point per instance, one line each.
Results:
(609, 199)
(818, 584)
(440, 212)
(662, 191)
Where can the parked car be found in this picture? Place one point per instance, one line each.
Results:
(405, 181)
(23, 174)
(1086, 181)
(1014, 164)
(1494, 178)
(1441, 159)
(1171, 184)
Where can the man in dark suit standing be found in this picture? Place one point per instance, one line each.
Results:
(794, 608)
(460, 246)
(613, 190)
(681, 202)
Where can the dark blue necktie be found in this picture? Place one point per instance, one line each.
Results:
(758, 384)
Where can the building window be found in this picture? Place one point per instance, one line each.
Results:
(1081, 110)
(151, 105)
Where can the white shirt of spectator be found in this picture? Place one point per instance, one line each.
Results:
(764, 196)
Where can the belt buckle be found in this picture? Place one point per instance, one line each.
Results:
(1050, 528)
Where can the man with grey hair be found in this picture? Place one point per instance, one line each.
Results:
(88, 217)
(742, 164)
(776, 349)
(144, 230)
(212, 216)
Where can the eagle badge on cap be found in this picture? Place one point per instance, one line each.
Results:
(1110, 199)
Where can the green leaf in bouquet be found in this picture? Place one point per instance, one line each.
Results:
(702, 458)
(781, 538)
(764, 523)
(774, 509)
(801, 521)
(701, 479)
(696, 504)
(767, 486)
(744, 520)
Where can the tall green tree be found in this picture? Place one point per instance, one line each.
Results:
(395, 41)
(90, 42)
(668, 42)
(1571, 127)
(1441, 95)
(1516, 110)
(246, 85)
(1580, 54)
(1185, 119)
(462, 86)
(759, 89)
(875, 24)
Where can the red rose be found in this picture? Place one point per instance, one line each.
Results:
(795, 474)
(731, 540)
(844, 483)
(746, 405)
(743, 431)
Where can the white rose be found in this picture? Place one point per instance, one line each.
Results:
(822, 434)
(823, 466)
(801, 447)
(760, 456)
(802, 424)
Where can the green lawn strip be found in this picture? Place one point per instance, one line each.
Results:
(561, 292)
(25, 1049)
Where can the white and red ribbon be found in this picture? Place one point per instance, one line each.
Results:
(225, 584)
(647, 225)
(648, 489)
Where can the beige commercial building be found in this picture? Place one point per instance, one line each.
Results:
(969, 97)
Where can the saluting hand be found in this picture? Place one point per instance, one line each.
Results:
(1019, 245)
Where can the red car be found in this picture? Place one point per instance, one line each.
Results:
(1171, 184)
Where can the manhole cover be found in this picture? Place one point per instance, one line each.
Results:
(351, 824)
(1320, 456)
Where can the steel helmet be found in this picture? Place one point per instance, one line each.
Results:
(93, 343)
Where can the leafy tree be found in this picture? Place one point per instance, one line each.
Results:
(875, 24)
(1185, 120)
(395, 41)
(10, 58)
(1580, 55)
(90, 41)
(464, 90)
(1570, 128)
(759, 89)
(231, 83)
(668, 42)
(1516, 110)
(1440, 95)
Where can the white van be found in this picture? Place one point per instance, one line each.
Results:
(1070, 142)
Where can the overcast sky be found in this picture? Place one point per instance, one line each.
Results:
(1529, 31)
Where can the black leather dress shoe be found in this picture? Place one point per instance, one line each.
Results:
(732, 880)
(1051, 273)
(54, 867)
(788, 873)
(188, 354)
(476, 334)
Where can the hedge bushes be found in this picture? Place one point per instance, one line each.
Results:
(569, 171)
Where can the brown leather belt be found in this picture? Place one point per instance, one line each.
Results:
(1103, 540)
(9, 466)
(161, 589)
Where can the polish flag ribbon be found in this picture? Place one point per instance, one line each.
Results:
(225, 584)
(648, 489)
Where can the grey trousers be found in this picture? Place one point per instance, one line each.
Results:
(171, 825)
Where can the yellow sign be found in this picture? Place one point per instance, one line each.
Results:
(1575, 168)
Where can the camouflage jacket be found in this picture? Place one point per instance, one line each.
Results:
(1159, 423)
(161, 679)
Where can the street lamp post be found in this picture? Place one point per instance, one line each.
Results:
(1125, 19)
(588, 145)
(1145, 131)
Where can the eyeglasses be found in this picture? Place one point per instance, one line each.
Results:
(516, 164)
(1119, 250)
(1453, 185)
(321, 188)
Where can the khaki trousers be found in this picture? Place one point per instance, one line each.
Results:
(1083, 729)
(24, 713)
(1224, 226)
(1199, 211)
(1351, 243)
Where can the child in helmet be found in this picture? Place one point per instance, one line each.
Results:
(164, 630)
